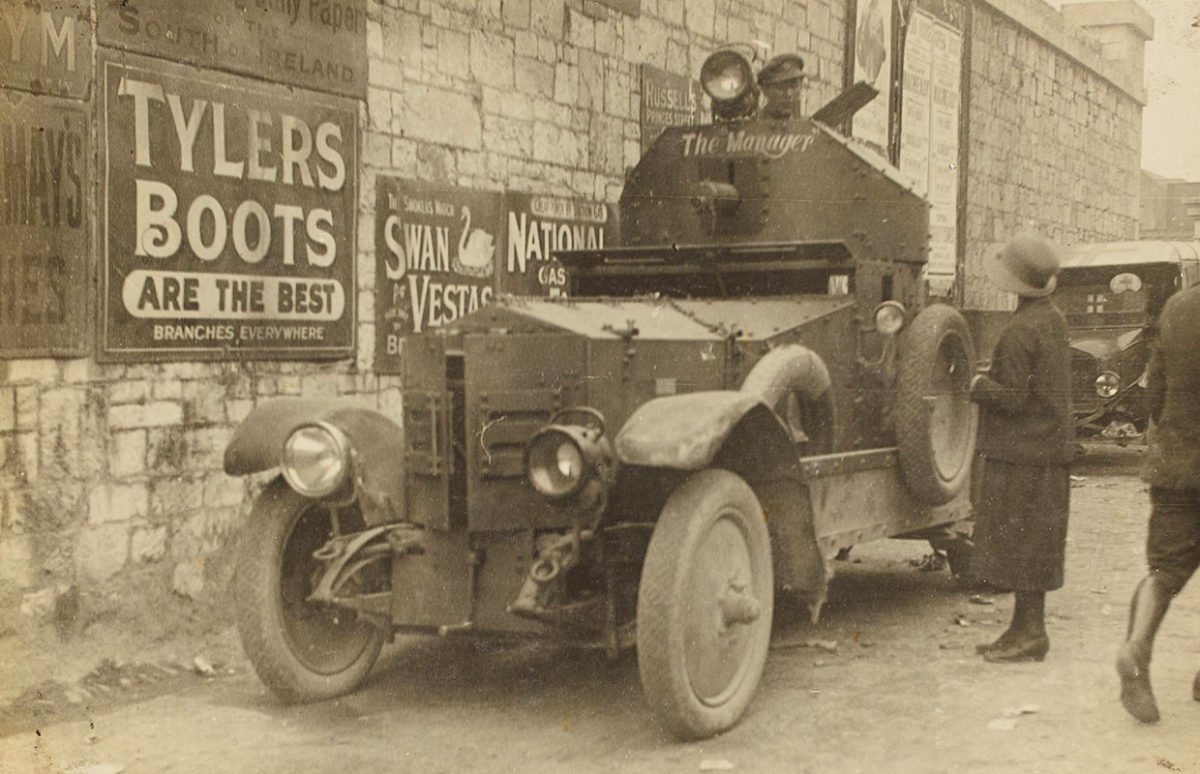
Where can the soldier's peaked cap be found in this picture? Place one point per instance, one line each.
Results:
(785, 67)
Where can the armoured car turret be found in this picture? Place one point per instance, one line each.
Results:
(749, 384)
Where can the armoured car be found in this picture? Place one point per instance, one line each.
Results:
(750, 383)
(1111, 293)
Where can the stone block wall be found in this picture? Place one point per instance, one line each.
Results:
(108, 467)
(1055, 137)
(542, 96)
(105, 468)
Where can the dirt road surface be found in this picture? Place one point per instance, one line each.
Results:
(888, 681)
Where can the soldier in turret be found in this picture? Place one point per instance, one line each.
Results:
(781, 82)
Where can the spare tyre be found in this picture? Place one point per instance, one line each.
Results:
(935, 420)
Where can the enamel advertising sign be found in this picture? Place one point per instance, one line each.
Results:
(436, 251)
(229, 214)
(44, 222)
(536, 227)
(46, 46)
(315, 44)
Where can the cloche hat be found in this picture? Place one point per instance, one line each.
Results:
(785, 67)
(1026, 265)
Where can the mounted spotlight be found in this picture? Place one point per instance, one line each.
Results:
(728, 79)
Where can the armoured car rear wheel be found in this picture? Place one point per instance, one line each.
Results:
(301, 651)
(935, 419)
(705, 604)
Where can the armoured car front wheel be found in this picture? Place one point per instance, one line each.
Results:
(705, 604)
(301, 651)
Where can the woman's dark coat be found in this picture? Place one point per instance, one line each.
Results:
(1025, 398)
(1026, 437)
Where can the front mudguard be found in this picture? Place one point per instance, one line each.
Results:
(683, 432)
(377, 441)
(735, 430)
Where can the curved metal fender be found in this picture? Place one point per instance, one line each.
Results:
(378, 443)
(785, 368)
(683, 432)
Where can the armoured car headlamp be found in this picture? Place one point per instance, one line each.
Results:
(316, 459)
(890, 317)
(728, 78)
(560, 459)
(555, 463)
(1107, 384)
(726, 75)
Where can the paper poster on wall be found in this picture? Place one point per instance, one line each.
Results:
(46, 46)
(873, 64)
(538, 226)
(943, 149)
(436, 251)
(929, 142)
(44, 183)
(914, 111)
(229, 215)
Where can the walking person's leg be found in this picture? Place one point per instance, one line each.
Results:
(1172, 553)
(1146, 611)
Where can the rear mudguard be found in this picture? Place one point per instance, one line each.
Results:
(378, 444)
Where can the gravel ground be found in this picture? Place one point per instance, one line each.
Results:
(888, 681)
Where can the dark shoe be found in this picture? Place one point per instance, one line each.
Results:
(1000, 642)
(1136, 696)
(1033, 649)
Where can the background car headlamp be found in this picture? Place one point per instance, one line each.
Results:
(890, 317)
(316, 459)
(1107, 384)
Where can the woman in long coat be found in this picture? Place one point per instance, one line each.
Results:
(1026, 438)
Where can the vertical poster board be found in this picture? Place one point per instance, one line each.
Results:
(536, 227)
(915, 107)
(946, 74)
(44, 224)
(436, 251)
(929, 145)
(873, 64)
(228, 215)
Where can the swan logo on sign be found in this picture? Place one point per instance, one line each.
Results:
(476, 249)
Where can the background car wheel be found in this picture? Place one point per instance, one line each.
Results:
(935, 419)
(705, 604)
(301, 651)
